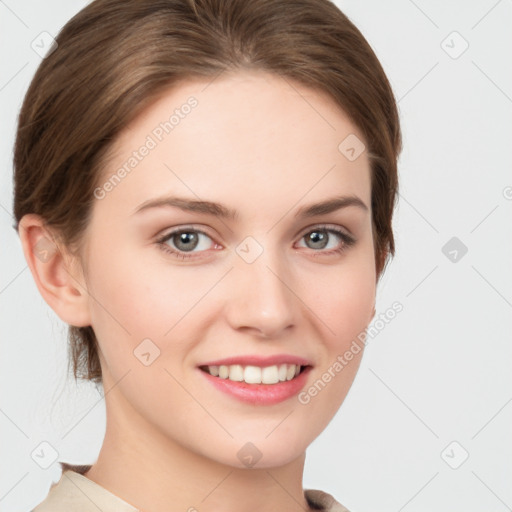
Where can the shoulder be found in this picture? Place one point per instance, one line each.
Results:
(77, 493)
(323, 501)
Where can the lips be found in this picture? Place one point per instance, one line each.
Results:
(255, 369)
(265, 393)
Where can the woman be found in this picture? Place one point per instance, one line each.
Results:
(204, 192)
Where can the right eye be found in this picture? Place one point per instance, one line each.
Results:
(184, 241)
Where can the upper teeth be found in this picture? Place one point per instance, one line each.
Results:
(255, 374)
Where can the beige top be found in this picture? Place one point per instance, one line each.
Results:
(74, 492)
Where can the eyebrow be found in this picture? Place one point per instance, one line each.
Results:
(219, 210)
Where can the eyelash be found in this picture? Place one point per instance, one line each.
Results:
(347, 240)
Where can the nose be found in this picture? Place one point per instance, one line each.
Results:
(261, 297)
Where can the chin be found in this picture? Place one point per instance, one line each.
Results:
(262, 454)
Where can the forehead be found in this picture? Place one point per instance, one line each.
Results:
(266, 137)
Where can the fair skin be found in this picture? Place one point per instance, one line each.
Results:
(265, 149)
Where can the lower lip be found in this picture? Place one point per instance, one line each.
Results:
(260, 394)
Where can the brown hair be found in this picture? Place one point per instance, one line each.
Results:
(115, 56)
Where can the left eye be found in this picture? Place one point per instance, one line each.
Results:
(320, 237)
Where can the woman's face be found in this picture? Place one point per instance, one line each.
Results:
(269, 280)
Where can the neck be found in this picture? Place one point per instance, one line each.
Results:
(145, 468)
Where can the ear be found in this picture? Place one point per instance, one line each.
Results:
(58, 275)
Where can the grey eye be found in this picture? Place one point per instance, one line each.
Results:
(318, 239)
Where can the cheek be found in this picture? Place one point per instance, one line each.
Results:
(351, 307)
(344, 303)
(344, 299)
(129, 291)
(133, 300)
(127, 301)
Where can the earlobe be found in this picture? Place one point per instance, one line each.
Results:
(55, 272)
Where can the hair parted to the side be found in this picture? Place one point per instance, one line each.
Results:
(115, 56)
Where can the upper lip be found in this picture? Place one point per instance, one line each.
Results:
(256, 360)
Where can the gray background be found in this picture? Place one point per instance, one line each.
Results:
(437, 376)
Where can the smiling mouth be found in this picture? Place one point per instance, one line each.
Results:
(255, 374)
